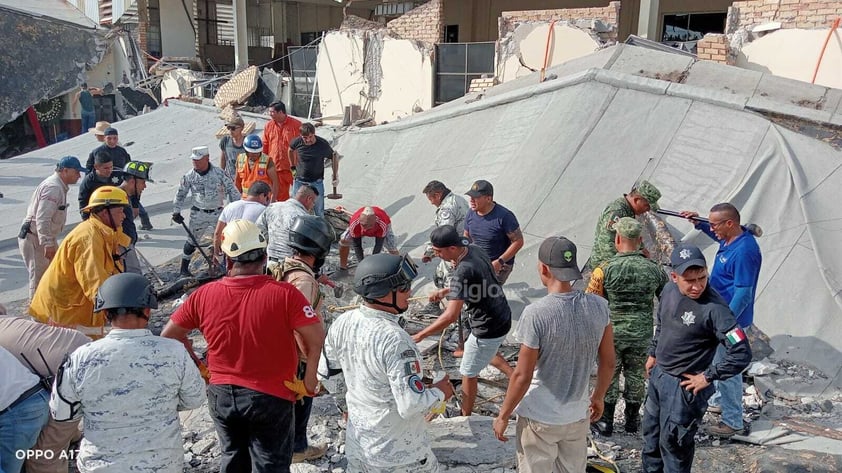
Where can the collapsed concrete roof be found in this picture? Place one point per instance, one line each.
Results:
(43, 56)
(559, 151)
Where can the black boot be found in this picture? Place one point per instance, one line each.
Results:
(605, 424)
(185, 268)
(145, 223)
(632, 417)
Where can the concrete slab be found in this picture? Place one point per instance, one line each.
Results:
(713, 96)
(714, 76)
(650, 63)
(471, 441)
(790, 91)
(817, 444)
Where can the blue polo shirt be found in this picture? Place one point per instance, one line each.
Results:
(490, 231)
(736, 265)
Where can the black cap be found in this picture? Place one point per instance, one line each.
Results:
(685, 256)
(446, 235)
(559, 254)
(480, 188)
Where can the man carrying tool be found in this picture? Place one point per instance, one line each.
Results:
(308, 153)
(387, 399)
(278, 136)
(45, 219)
(85, 259)
(366, 222)
(128, 387)
(253, 166)
(692, 321)
(42, 349)
(249, 208)
(493, 228)
(277, 219)
(209, 186)
(561, 335)
(135, 177)
(250, 321)
(630, 282)
(734, 276)
(475, 285)
(310, 238)
(642, 198)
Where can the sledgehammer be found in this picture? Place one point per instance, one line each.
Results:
(752, 228)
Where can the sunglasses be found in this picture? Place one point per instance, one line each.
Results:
(232, 127)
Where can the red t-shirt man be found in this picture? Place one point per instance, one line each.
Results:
(367, 222)
(248, 322)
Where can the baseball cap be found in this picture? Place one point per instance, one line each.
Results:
(446, 235)
(199, 152)
(110, 131)
(684, 256)
(480, 188)
(628, 227)
(559, 254)
(70, 162)
(648, 192)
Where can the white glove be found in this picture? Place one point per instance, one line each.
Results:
(335, 182)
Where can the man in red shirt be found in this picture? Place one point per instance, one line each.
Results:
(249, 321)
(367, 222)
(278, 134)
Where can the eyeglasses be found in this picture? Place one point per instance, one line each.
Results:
(232, 127)
(716, 224)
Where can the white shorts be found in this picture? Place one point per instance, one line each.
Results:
(478, 354)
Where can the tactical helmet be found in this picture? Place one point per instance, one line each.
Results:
(240, 237)
(382, 273)
(311, 235)
(106, 196)
(138, 169)
(125, 291)
(253, 144)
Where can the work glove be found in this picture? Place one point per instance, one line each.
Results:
(335, 182)
(297, 386)
(177, 218)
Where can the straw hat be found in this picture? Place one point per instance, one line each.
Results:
(100, 128)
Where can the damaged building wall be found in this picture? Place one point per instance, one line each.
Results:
(576, 32)
(424, 23)
(387, 78)
(178, 30)
(785, 37)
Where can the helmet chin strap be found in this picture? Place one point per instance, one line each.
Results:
(393, 305)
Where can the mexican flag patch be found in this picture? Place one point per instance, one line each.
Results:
(735, 336)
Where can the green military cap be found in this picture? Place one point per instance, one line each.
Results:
(649, 192)
(628, 227)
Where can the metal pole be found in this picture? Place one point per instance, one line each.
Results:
(315, 84)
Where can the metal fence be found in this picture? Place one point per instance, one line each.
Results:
(459, 63)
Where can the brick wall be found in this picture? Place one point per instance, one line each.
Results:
(424, 23)
(479, 85)
(715, 47)
(609, 15)
(803, 14)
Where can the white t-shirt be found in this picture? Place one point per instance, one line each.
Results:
(244, 209)
(567, 329)
(16, 379)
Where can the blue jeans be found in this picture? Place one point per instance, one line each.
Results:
(255, 430)
(671, 418)
(19, 429)
(88, 120)
(729, 395)
(319, 207)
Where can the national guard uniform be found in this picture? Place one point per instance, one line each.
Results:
(451, 211)
(209, 191)
(630, 282)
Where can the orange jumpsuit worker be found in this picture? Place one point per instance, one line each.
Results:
(278, 134)
(254, 165)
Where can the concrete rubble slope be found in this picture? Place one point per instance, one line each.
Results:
(559, 151)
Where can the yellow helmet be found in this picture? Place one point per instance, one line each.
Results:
(106, 196)
(241, 236)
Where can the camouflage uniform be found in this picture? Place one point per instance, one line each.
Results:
(629, 281)
(603, 240)
(209, 191)
(451, 211)
(128, 388)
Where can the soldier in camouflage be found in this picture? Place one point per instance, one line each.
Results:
(642, 198)
(209, 186)
(630, 282)
(451, 209)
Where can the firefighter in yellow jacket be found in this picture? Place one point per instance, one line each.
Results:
(85, 259)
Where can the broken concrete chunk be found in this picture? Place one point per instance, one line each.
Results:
(762, 368)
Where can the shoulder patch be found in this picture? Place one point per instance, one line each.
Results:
(408, 353)
(412, 367)
(445, 214)
(415, 384)
(735, 336)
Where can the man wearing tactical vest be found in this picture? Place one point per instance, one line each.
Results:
(254, 165)
(310, 238)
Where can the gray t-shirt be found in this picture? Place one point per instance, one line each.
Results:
(566, 329)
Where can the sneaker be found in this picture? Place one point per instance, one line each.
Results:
(146, 226)
(715, 409)
(310, 453)
(721, 430)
